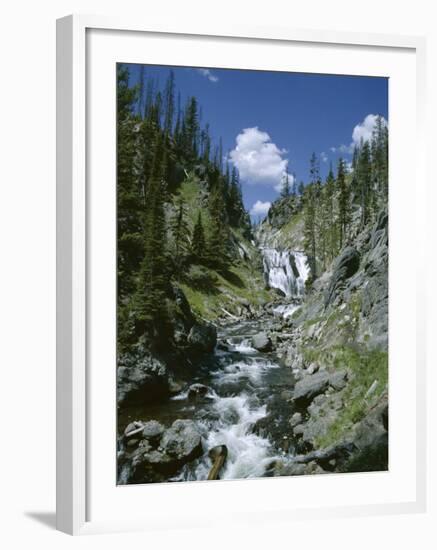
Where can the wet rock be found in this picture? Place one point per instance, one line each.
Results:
(262, 342)
(174, 386)
(218, 457)
(133, 429)
(202, 338)
(309, 387)
(182, 441)
(196, 391)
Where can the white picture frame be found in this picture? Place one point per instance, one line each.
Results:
(74, 462)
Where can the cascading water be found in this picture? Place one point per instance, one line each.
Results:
(286, 270)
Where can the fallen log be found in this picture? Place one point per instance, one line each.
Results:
(218, 456)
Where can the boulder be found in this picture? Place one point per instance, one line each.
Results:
(261, 342)
(182, 441)
(141, 379)
(152, 431)
(196, 391)
(295, 419)
(338, 380)
(202, 338)
(309, 387)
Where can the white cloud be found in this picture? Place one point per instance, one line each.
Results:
(363, 130)
(324, 156)
(258, 159)
(208, 74)
(260, 208)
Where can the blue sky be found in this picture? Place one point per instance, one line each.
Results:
(286, 116)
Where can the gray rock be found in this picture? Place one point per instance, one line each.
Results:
(295, 419)
(182, 441)
(309, 387)
(261, 342)
(313, 368)
(203, 338)
(298, 430)
(153, 430)
(141, 379)
(346, 265)
(338, 380)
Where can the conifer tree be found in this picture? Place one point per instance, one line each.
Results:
(169, 104)
(128, 196)
(364, 182)
(310, 228)
(150, 297)
(343, 202)
(218, 233)
(180, 233)
(285, 189)
(198, 244)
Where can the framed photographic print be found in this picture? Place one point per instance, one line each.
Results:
(237, 324)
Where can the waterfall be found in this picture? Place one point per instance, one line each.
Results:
(286, 270)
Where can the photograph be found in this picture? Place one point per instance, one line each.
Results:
(252, 274)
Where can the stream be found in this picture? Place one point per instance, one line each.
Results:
(243, 407)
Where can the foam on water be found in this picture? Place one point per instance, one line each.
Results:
(248, 453)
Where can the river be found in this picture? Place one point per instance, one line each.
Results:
(244, 407)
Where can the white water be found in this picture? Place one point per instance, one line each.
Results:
(279, 273)
(248, 453)
(285, 310)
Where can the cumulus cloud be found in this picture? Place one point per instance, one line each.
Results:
(324, 156)
(260, 208)
(363, 130)
(258, 159)
(208, 74)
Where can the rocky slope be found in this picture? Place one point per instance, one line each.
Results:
(335, 343)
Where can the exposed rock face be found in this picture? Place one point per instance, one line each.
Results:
(202, 338)
(141, 379)
(261, 342)
(346, 265)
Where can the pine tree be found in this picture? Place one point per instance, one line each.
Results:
(310, 228)
(149, 302)
(343, 202)
(169, 104)
(191, 126)
(364, 182)
(198, 244)
(180, 233)
(218, 240)
(129, 225)
(285, 189)
(331, 215)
